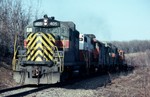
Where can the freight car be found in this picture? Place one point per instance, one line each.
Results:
(54, 51)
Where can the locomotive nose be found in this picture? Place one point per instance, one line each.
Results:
(40, 47)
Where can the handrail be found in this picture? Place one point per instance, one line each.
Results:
(62, 65)
(15, 53)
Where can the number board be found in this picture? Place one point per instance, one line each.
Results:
(38, 24)
(54, 24)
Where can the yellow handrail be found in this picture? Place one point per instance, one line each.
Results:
(15, 52)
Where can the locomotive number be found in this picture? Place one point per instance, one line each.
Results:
(53, 24)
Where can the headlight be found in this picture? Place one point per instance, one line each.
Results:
(45, 22)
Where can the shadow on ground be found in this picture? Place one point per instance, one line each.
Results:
(101, 80)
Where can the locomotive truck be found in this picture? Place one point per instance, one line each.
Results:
(54, 51)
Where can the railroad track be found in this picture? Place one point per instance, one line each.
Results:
(24, 90)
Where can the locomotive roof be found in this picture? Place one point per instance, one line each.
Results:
(67, 24)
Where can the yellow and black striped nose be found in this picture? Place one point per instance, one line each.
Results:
(40, 46)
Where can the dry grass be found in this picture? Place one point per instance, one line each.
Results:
(136, 84)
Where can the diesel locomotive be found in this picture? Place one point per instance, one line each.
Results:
(54, 51)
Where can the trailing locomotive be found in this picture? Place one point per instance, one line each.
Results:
(54, 51)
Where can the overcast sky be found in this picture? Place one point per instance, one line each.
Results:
(108, 19)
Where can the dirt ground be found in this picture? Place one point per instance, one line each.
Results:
(6, 79)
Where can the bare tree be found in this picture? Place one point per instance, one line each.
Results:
(13, 19)
(133, 46)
